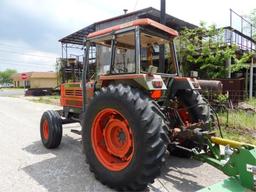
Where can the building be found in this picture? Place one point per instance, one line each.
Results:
(76, 38)
(240, 35)
(36, 80)
(72, 44)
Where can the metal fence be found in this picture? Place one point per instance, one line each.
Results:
(240, 32)
(229, 97)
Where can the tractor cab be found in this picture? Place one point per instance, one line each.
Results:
(134, 48)
(132, 51)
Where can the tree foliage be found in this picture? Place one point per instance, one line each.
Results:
(204, 49)
(252, 18)
(5, 76)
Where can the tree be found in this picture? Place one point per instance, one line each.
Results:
(204, 49)
(5, 76)
(252, 18)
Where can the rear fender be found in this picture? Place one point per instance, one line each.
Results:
(183, 83)
(145, 81)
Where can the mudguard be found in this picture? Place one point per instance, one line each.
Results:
(182, 83)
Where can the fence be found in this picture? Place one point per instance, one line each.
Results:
(240, 32)
(229, 97)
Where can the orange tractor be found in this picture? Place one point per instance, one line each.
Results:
(131, 110)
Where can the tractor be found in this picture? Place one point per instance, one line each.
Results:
(135, 106)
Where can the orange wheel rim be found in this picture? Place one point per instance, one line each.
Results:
(185, 117)
(112, 139)
(45, 130)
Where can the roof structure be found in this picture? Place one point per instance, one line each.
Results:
(36, 75)
(150, 12)
(137, 22)
(43, 75)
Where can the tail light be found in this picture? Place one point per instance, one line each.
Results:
(156, 94)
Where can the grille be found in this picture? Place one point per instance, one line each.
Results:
(73, 92)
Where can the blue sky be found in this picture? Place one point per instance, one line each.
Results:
(30, 29)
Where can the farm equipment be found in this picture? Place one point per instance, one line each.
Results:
(133, 108)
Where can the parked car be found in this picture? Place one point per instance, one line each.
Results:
(7, 85)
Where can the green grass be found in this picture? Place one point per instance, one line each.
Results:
(241, 126)
(239, 120)
(252, 102)
(11, 88)
(46, 99)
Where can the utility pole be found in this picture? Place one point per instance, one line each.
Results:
(163, 12)
(162, 49)
(251, 79)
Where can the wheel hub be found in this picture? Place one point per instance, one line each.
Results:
(112, 139)
(45, 130)
(121, 137)
(117, 138)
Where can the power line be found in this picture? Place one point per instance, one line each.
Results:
(14, 46)
(20, 53)
(16, 61)
(18, 47)
(135, 5)
(22, 64)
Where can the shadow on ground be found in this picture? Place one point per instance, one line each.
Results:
(175, 175)
(64, 169)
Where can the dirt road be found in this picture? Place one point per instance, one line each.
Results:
(25, 165)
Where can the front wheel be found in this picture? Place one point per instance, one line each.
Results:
(51, 129)
(122, 138)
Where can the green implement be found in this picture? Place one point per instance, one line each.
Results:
(237, 160)
(228, 185)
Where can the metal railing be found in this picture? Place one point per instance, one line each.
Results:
(234, 37)
(240, 32)
(232, 97)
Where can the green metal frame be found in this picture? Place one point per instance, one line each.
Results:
(240, 165)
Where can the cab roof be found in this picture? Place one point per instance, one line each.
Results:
(137, 22)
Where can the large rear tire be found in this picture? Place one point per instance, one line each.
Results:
(198, 110)
(122, 137)
(51, 129)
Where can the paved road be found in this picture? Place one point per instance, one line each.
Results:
(11, 92)
(25, 165)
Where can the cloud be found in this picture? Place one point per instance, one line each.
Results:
(38, 25)
(66, 14)
(20, 55)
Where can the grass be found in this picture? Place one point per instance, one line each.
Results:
(252, 102)
(239, 120)
(11, 88)
(46, 99)
(239, 137)
(241, 124)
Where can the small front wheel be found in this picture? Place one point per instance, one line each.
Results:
(51, 129)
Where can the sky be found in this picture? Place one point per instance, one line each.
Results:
(30, 29)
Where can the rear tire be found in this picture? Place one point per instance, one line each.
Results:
(51, 129)
(199, 110)
(147, 148)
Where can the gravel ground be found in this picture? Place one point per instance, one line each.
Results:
(27, 166)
